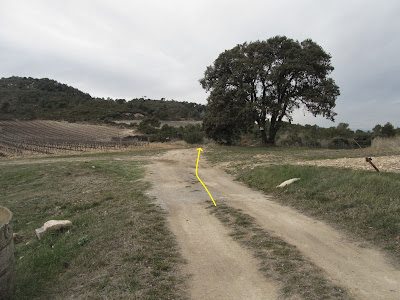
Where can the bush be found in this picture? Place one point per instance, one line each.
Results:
(193, 134)
(149, 125)
(195, 137)
(292, 140)
(340, 143)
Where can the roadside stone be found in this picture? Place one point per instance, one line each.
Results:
(287, 182)
(52, 225)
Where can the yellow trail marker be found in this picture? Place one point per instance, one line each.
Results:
(197, 164)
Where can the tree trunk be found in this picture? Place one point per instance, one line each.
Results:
(273, 129)
(263, 136)
(263, 133)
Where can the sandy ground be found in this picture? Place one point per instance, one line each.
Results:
(220, 269)
(383, 163)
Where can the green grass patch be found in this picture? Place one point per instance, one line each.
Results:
(363, 203)
(119, 246)
(278, 259)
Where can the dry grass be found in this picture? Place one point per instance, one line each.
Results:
(119, 246)
(380, 143)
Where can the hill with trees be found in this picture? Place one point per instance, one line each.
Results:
(30, 98)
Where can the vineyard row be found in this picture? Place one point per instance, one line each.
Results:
(18, 146)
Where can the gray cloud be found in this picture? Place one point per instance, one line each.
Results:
(128, 49)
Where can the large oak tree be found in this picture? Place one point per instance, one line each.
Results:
(263, 82)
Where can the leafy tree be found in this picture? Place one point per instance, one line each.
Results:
(363, 138)
(388, 130)
(120, 101)
(343, 130)
(193, 134)
(149, 125)
(376, 131)
(225, 120)
(268, 80)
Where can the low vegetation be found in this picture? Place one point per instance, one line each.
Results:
(381, 143)
(365, 204)
(297, 275)
(119, 246)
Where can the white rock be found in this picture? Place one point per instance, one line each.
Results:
(287, 182)
(52, 225)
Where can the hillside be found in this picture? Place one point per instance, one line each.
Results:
(30, 98)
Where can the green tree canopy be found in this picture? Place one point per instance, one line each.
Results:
(263, 82)
(149, 125)
(388, 130)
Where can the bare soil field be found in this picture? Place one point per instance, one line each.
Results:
(389, 163)
(384, 160)
(219, 269)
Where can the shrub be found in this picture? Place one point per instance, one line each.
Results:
(340, 143)
(194, 137)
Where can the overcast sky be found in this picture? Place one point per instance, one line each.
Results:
(160, 49)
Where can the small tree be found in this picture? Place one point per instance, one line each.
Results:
(193, 134)
(343, 130)
(149, 125)
(388, 130)
(376, 131)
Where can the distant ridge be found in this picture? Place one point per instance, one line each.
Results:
(31, 98)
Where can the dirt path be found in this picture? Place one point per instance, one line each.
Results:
(217, 266)
(221, 269)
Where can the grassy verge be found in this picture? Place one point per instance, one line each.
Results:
(118, 248)
(363, 203)
(278, 259)
(366, 204)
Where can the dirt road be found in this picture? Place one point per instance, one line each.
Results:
(220, 269)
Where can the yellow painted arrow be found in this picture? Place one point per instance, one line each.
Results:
(197, 164)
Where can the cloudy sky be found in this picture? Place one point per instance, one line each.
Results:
(160, 49)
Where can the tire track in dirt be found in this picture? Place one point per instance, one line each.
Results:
(365, 272)
(217, 266)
